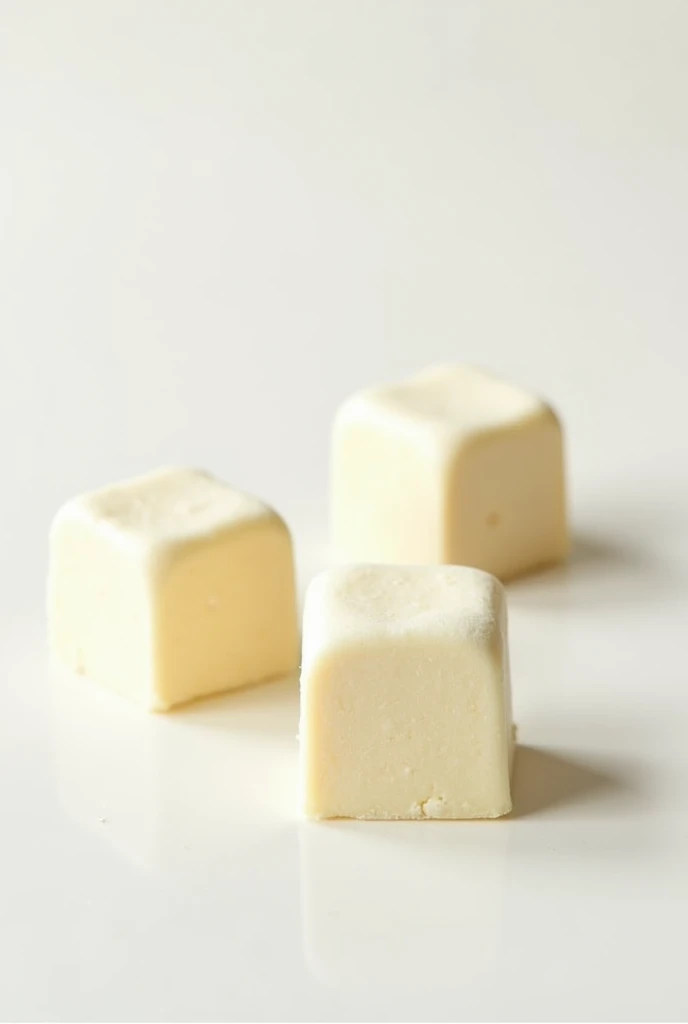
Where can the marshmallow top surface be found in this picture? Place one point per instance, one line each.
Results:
(363, 604)
(167, 507)
(450, 402)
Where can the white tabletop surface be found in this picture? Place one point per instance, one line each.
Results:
(218, 219)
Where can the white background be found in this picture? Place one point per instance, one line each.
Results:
(218, 219)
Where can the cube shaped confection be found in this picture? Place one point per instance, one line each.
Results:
(172, 586)
(405, 696)
(453, 466)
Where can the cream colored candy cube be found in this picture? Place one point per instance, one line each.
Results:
(172, 586)
(405, 695)
(453, 466)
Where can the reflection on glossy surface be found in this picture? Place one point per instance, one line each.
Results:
(171, 791)
(417, 905)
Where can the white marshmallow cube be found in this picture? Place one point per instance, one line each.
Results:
(405, 695)
(172, 586)
(452, 466)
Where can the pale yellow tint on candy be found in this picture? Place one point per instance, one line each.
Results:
(405, 695)
(172, 586)
(453, 465)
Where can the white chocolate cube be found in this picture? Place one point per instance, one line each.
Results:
(405, 696)
(172, 586)
(452, 466)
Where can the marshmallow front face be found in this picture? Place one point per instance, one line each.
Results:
(172, 586)
(405, 698)
(451, 466)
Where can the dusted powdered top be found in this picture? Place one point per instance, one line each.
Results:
(449, 401)
(363, 603)
(166, 507)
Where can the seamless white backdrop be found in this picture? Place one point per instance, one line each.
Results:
(217, 220)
